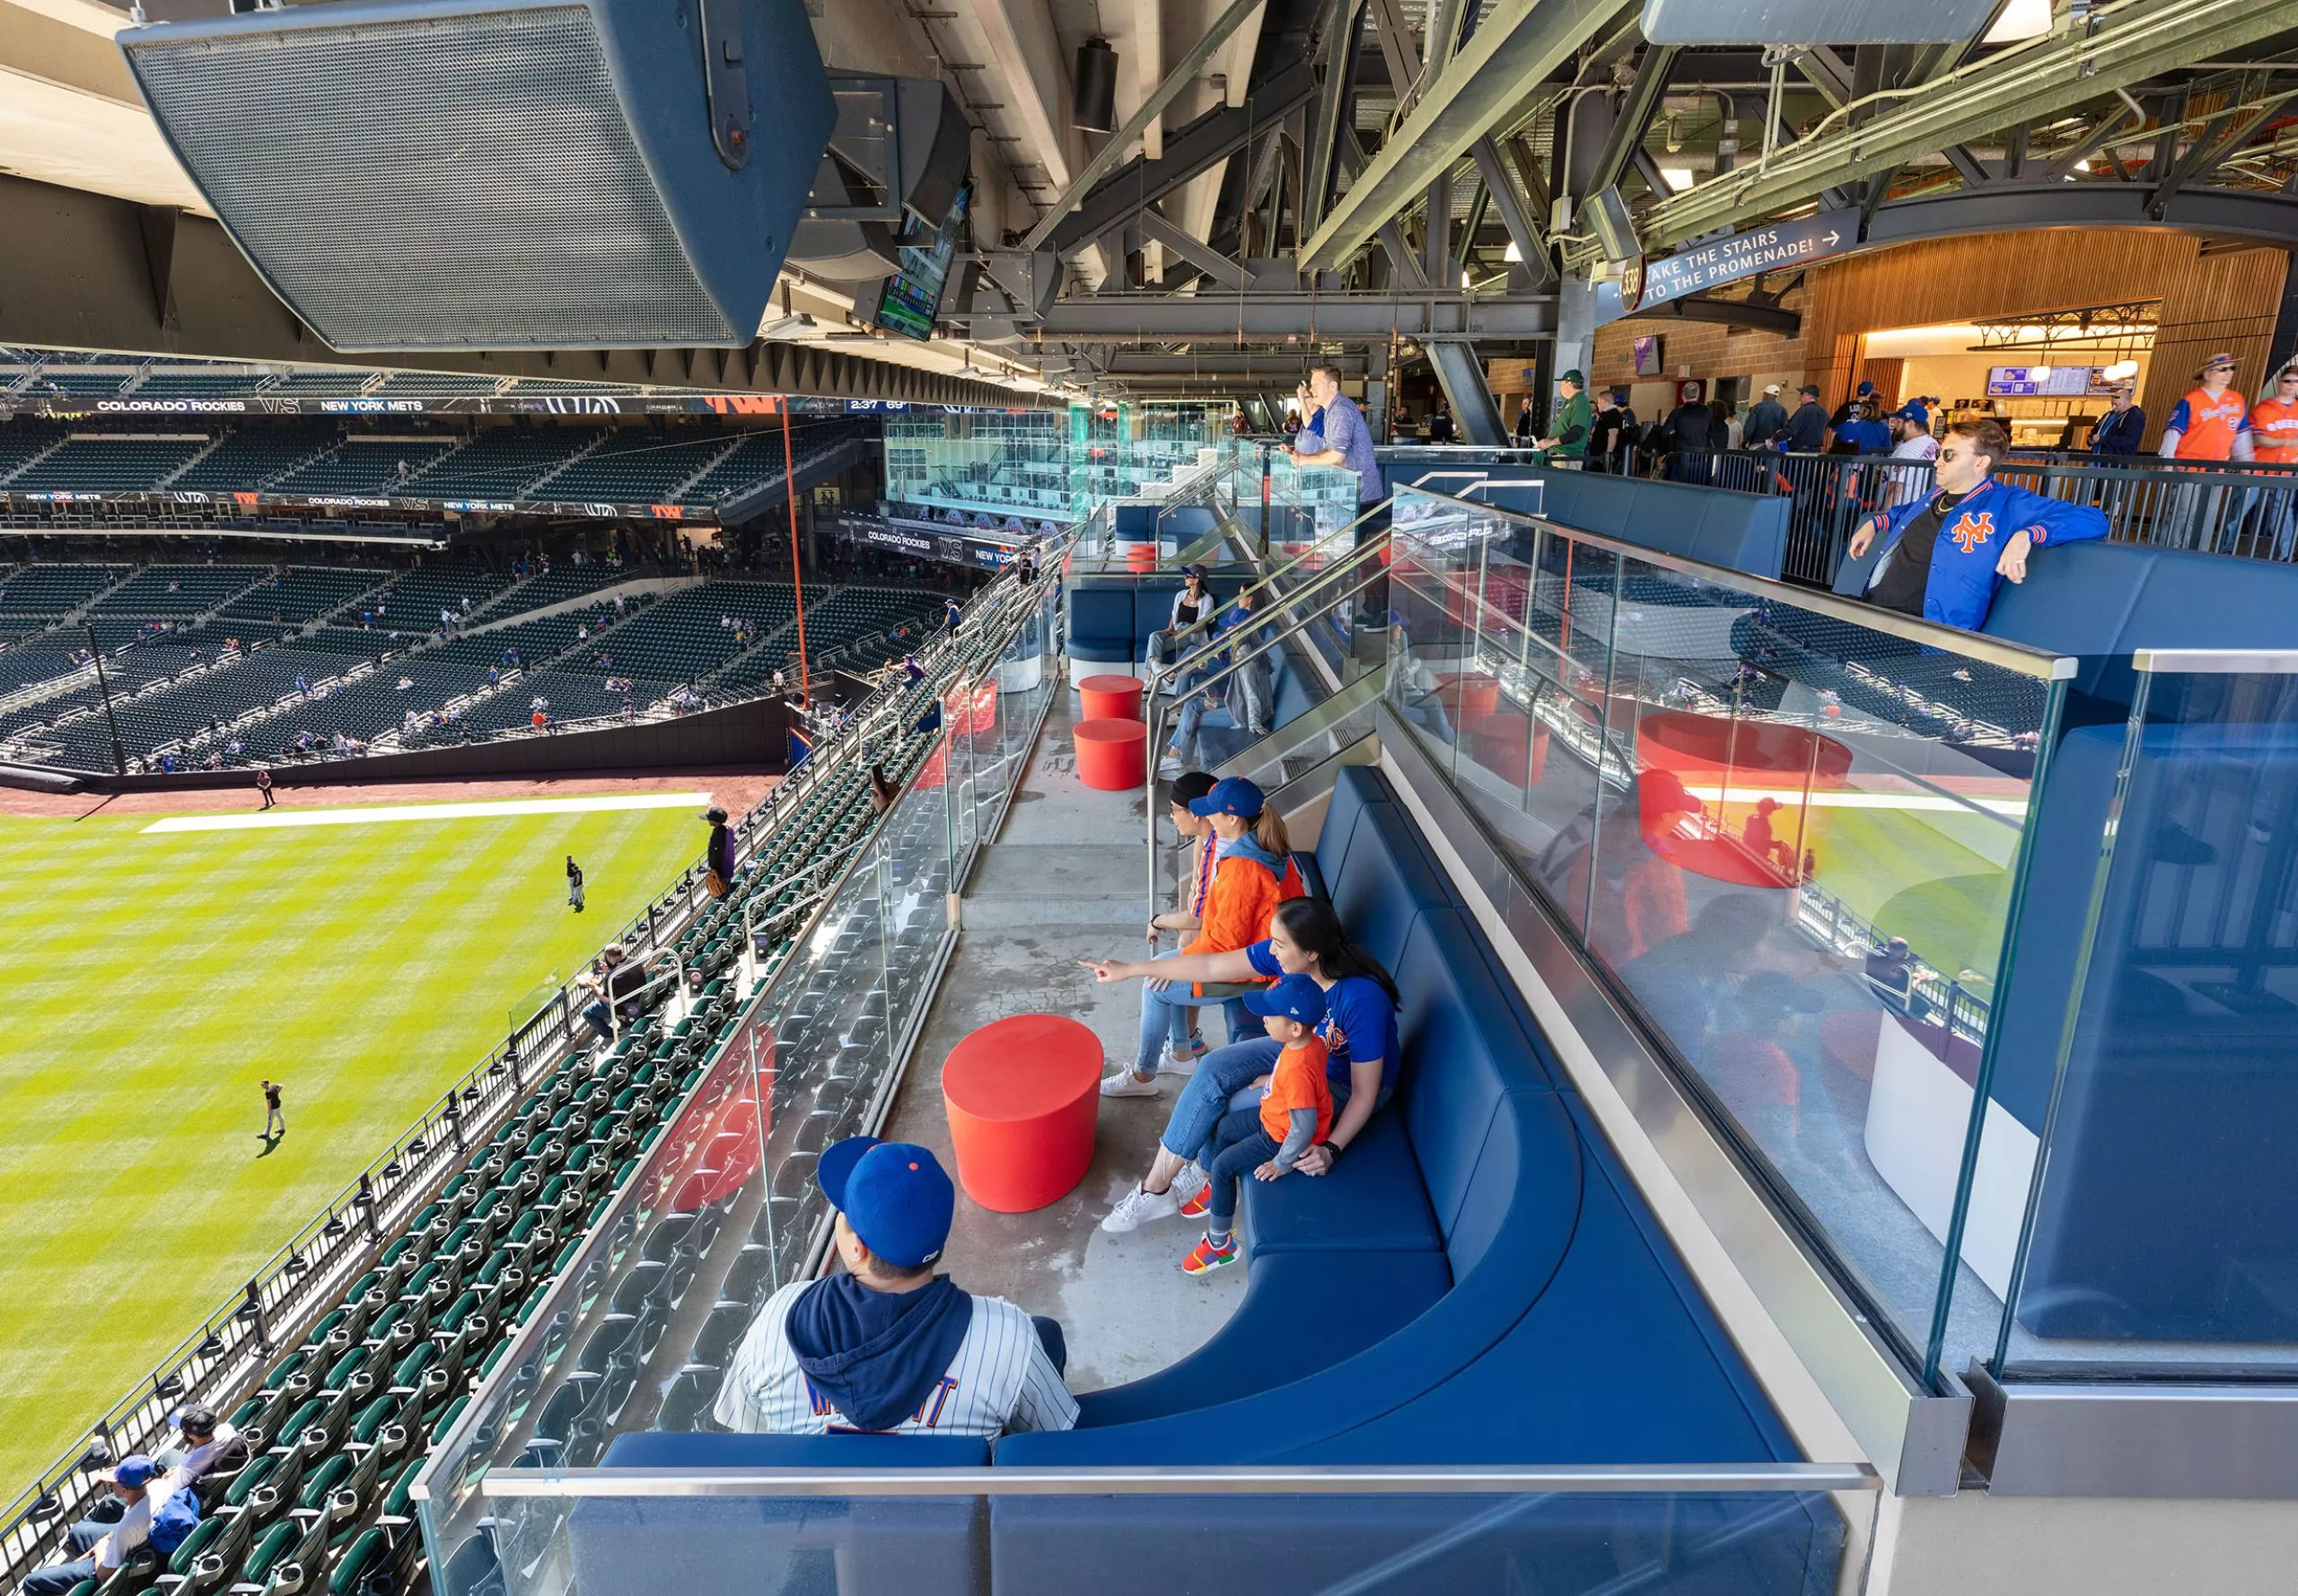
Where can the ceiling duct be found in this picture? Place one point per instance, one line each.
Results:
(502, 174)
(1813, 21)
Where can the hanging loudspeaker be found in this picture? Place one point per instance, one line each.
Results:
(502, 174)
(1092, 99)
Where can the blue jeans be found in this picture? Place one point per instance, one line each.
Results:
(600, 1017)
(1245, 1146)
(1223, 1084)
(1193, 705)
(1164, 1019)
(82, 1536)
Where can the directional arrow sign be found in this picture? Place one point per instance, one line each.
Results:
(1742, 255)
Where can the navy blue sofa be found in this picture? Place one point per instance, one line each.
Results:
(1477, 1283)
(1743, 531)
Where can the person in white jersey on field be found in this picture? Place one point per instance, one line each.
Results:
(889, 1347)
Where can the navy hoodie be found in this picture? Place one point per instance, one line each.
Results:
(876, 1355)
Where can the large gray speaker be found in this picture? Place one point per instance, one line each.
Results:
(503, 174)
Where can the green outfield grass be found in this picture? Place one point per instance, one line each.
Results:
(153, 979)
(1920, 875)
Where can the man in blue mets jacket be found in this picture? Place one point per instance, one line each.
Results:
(1945, 553)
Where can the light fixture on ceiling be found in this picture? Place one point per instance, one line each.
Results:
(2039, 373)
(2122, 371)
(1464, 278)
(1511, 254)
(1678, 178)
(2084, 164)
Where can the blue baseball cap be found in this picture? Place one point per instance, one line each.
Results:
(1911, 411)
(894, 1194)
(1293, 997)
(1231, 795)
(133, 1471)
(1867, 388)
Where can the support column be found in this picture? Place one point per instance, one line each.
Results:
(1576, 327)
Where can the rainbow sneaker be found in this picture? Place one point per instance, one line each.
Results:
(1204, 1257)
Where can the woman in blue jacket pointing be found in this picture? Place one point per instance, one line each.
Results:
(1945, 553)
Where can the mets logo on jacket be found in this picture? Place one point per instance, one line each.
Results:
(1972, 531)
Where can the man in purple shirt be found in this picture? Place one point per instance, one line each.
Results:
(1347, 441)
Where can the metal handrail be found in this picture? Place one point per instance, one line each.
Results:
(1339, 1480)
(1155, 714)
(1213, 645)
(2017, 657)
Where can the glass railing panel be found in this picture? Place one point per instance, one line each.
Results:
(553, 1537)
(2154, 1111)
(1790, 833)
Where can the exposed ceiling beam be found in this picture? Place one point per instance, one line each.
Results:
(1204, 257)
(1149, 70)
(1634, 118)
(1190, 150)
(1329, 123)
(1399, 48)
(1285, 317)
(1514, 50)
(2133, 41)
(1183, 74)
(1273, 366)
(1531, 242)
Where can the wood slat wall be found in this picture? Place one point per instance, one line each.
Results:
(2209, 303)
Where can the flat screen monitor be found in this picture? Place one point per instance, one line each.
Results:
(2046, 382)
(908, 303)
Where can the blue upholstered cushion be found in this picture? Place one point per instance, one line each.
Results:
(1373, 1200)
(1353, 1300)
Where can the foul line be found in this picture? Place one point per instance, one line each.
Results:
(280, 818)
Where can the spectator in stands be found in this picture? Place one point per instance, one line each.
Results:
(1766, 418)
(112, 1532)
(1847, 413)
(718, 853)
(2212, 423)
(1359, 1032)
(1268, 1138)
(953, 617)
(888, 1345)
(613, 983)
(1574, 414)
(1252, 872)
(1911, 440)
(2274, 431)
(1806, 431)
(1254, 675)
(2116, 434)
(1608, 433)
(1945, 554)
(203, 1445)
(1193, 607)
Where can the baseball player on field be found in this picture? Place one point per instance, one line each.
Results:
(889, 1345)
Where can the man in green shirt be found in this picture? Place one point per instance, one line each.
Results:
(1573, 417)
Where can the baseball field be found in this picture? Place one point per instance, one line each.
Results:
(160, 969)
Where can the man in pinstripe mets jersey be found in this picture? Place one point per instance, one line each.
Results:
(889, 1345)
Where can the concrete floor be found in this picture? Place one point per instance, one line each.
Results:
(1065, 881)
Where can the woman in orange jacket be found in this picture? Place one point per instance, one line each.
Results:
(1252, 872)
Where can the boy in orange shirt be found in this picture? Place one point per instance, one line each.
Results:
(1295, 1114)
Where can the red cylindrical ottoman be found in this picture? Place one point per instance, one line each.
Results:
(1021, 1095)
(1112, 755)
(1111, 697)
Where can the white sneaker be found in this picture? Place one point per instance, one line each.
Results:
(1186, 1185)
(1181, 1063)
(1169, 767)
(1125, 1083)
(1139, 1207)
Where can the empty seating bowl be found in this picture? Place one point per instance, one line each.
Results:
(1021, 1095)
(1112, 755)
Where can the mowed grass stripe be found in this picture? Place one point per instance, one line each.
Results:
(154, 979)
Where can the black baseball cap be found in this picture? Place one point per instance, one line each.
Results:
(1188, 786)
